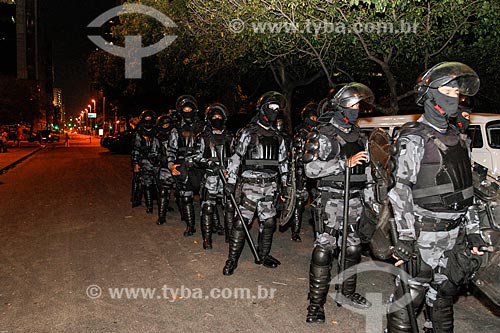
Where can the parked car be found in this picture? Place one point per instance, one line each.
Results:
(120, 144)
(484, 132)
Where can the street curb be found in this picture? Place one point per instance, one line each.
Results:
(13, 164)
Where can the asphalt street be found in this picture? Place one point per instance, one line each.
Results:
(70, 243)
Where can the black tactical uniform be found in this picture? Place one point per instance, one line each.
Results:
(327, 149)
(165, 181)
(259, 169)
(432, 202)
(213, 145)
(309, 117)
(182, 149)
(142, 162)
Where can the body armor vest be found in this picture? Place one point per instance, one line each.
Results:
(217, 145)
(146, 138)
(444, 182)
(186, 144)
(263, 150)
(344, 146)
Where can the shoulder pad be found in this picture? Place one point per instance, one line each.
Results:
(311, 147)
(313, 135)
(413, 124)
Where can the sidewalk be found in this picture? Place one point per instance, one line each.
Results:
(15, 155)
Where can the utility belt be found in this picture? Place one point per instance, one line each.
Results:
(259, 165)
(437, 224)
(260, 181)
(337, 181)
(325, 195)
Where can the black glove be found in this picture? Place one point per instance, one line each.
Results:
(475, 240)
(229, 189)
(215, 167)
(404, 249)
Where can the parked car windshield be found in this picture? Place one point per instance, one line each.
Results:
(493, 133)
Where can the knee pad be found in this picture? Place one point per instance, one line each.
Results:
(208, 209)
(229, 206)
(186, 200)
(353, 251)
(269, 223)
(321, 256)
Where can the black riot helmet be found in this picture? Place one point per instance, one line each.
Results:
(147, 119)
(309, 114)
(187, 106)
(443, 74)
(346, 101)
(211, 112)
(268, 107)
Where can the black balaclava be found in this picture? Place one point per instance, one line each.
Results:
(462, 122)
(268, 115)
(309, 122)
(439, 108)
(148, 123)
(347, 117)
(218, 123)
(188, 115)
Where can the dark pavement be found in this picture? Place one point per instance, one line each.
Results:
(66, 224)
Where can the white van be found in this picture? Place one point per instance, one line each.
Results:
(484, 132)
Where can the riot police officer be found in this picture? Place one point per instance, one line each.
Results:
(334, 145)
(165, 182)
(258, 168)
(142, 161)
(213, 147)
(309, 116)
(182, 149)
(438, 232)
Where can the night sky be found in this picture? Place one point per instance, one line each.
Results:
(66, 23)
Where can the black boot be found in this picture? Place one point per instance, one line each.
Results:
(187, 206)
(442, 315)
(319, 283)
(236, 244)
(228, 220)
(148, 197)
(348, 293)
(207, 213)
(180, 207)
(265, 242)
(136, 197)
(163, 197)
(297, 220)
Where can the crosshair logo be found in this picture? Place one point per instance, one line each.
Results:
(133, 52)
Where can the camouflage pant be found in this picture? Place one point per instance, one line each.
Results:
(333, 218)
(211, 188)
(148, 173)
(258, 198)
(165, 178)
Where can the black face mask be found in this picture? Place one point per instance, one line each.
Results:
(148, 124)
(448, 104)
(347, 117)
(188, 115)
(462, 123)
(268, 117)
(310, 122)
(218, 124)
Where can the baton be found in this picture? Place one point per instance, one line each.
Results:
(238, 212)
